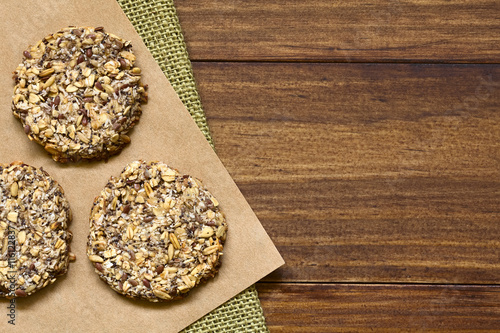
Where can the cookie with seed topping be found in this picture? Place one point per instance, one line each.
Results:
(155, 234)
(34, 217)
(78, 93)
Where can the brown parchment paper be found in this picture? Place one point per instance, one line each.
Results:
(79, 301)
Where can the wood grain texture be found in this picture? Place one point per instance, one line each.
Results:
(365, 172)
(379, 308)
(342, 31)
(362, 173)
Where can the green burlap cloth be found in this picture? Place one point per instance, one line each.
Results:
(157, 23)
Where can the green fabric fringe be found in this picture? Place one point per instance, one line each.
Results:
(157, 23)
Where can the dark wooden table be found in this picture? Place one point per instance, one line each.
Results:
(366, 137)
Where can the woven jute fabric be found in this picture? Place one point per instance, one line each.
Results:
(157, 23)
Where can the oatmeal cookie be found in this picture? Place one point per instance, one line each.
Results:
(34, 216)
(78, 93)
(154, 233)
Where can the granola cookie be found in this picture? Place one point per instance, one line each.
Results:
(34, 216)
(78, 93)
(155, 234)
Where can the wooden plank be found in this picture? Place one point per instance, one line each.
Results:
(381, 308)
(342, 31)
(375, 173)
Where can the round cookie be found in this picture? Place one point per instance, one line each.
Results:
(34, 215)
(78, 93)
(155, 234)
